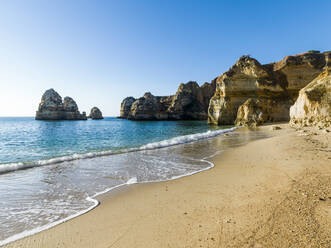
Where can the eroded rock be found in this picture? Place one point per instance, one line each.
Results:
(255, 111)
(51, 101)
(126, 106)
(189, 103)
(144, 108)
(95, 114)
(272, 88)
(51, 107)
(313, 106)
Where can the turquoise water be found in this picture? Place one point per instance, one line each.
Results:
(52, 171)
(24, 139)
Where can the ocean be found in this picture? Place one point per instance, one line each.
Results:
(51, 171)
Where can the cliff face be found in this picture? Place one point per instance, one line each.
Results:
(256, 111)
(313, 106)
(251, 93)
(149, 107)
(51, 107)
(126, 107)
(189, 103)
(208, 90)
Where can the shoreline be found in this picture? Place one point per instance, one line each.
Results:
(114, 203)
(179, 140)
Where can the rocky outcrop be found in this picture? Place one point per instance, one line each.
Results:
(126, 107)
(256, 111)
(145, 108)
(251, 93)
(208, 90)
(189, 103)
(300, 69)
(313, 106)
(51, 107)
(150, 107)
(95, 114)
(69, 105)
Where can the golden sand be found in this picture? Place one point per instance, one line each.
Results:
(274, 192)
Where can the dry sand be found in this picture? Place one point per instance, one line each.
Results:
(274, 192)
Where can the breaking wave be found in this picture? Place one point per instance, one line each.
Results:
(9, 167)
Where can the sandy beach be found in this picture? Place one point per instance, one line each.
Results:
(273, 192)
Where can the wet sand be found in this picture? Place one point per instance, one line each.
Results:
(274, 192)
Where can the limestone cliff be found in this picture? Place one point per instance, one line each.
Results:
(251, 93)
(149, 107)
(208, 90)
(189, 103)
(313, 106)
(126, 107)
(52, 107)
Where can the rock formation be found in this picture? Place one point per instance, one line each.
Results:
(149, 107)
(251, 93)
(256, 111)
(208, 90)
(189, 103)
(313, 106)
(51, 107)
(126, 107)
(95, 114)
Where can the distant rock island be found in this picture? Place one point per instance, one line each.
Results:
(248, 94)
(52, 107)
(95, 114)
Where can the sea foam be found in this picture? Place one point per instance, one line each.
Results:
(156, 145)
(8, 167)
(50, 225)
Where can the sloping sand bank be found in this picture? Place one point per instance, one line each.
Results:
(274, 192)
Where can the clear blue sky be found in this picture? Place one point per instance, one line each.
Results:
(99, 52)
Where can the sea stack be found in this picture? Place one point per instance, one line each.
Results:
(52, 107)
(95, 114)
